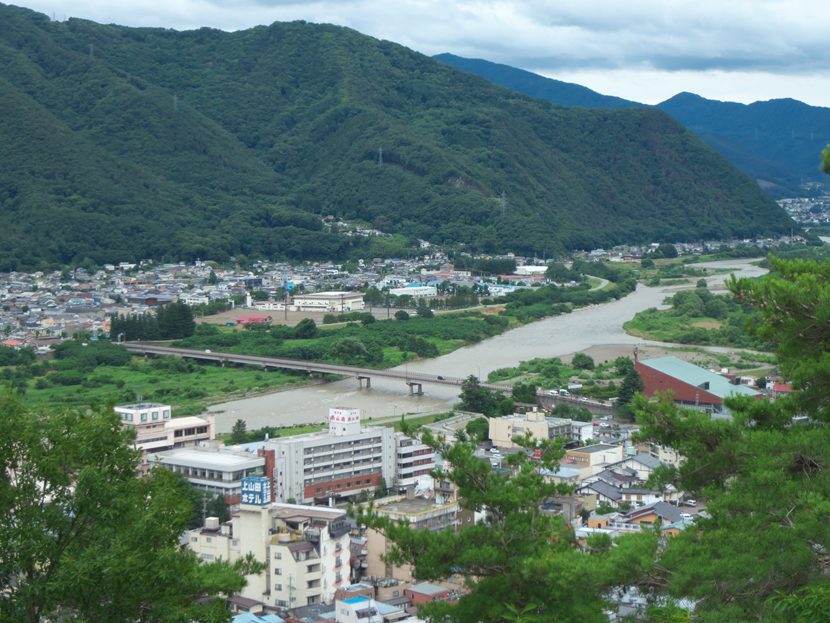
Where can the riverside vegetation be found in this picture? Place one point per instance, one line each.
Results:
(85, 370)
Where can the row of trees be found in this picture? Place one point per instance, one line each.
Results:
(170, 322)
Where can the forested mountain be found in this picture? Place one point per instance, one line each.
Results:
(774, 142)
(556, 91)
(122, 143)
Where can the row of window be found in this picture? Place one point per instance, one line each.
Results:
(187, 432)
(144, 416)
(320, 490)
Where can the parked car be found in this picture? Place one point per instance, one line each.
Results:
(690, 502)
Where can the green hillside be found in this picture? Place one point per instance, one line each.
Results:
(777, 141)
(124, 143)
(774, 142)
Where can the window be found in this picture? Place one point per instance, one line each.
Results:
(208, 540)
(277, 587)
(277, 556)
(155, 415)
(194, 539)
(167, 414)
(277, 571)
(143, 417)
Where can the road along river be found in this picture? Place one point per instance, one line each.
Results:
(552, 337)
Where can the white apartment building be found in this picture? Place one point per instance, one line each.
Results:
(503, 430)
(338, 463)
(414, 459)
(305, 548)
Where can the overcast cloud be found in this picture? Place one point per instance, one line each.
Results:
(645, 50)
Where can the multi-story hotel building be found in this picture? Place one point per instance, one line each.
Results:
(339, 463)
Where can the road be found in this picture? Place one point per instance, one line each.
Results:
(413, 379)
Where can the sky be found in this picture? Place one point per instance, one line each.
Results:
(643, 50)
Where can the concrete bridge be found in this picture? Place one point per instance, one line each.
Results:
(414, 380)
(364, 376)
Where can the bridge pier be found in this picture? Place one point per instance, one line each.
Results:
(368, 380)
(415, 389)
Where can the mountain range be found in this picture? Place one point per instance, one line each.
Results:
(124, 143)
(776, 142)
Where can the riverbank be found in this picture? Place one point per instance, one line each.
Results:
(596, 327)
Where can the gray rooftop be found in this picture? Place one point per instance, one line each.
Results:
(221, 460)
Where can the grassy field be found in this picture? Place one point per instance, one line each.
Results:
(188, 388)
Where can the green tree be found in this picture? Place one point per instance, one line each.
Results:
(632, 384)
(423, 310)
(581, 361)
(478, 429)
(666, 250)
(766, 481)
(825, 162)
(239, 432)
(82, 538)
(401, 315)
(476, 398)
(525, 392)
(623, 364)
(306, 329)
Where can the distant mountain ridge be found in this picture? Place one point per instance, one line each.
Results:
(776, 142)
(123, 143)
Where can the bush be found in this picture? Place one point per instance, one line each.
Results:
(581, 361)
(67, 377)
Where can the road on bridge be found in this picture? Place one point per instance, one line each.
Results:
(412, 379)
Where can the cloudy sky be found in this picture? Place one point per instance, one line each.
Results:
(644, 50)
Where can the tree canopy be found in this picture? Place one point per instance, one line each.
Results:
(763, 544)
(82, 538)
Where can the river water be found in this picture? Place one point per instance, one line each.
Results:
(551, 337)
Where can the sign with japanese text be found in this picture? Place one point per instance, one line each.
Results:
(256, 490)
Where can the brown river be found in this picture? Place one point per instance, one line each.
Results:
(552, 337)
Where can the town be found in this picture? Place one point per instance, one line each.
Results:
(289, 499)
